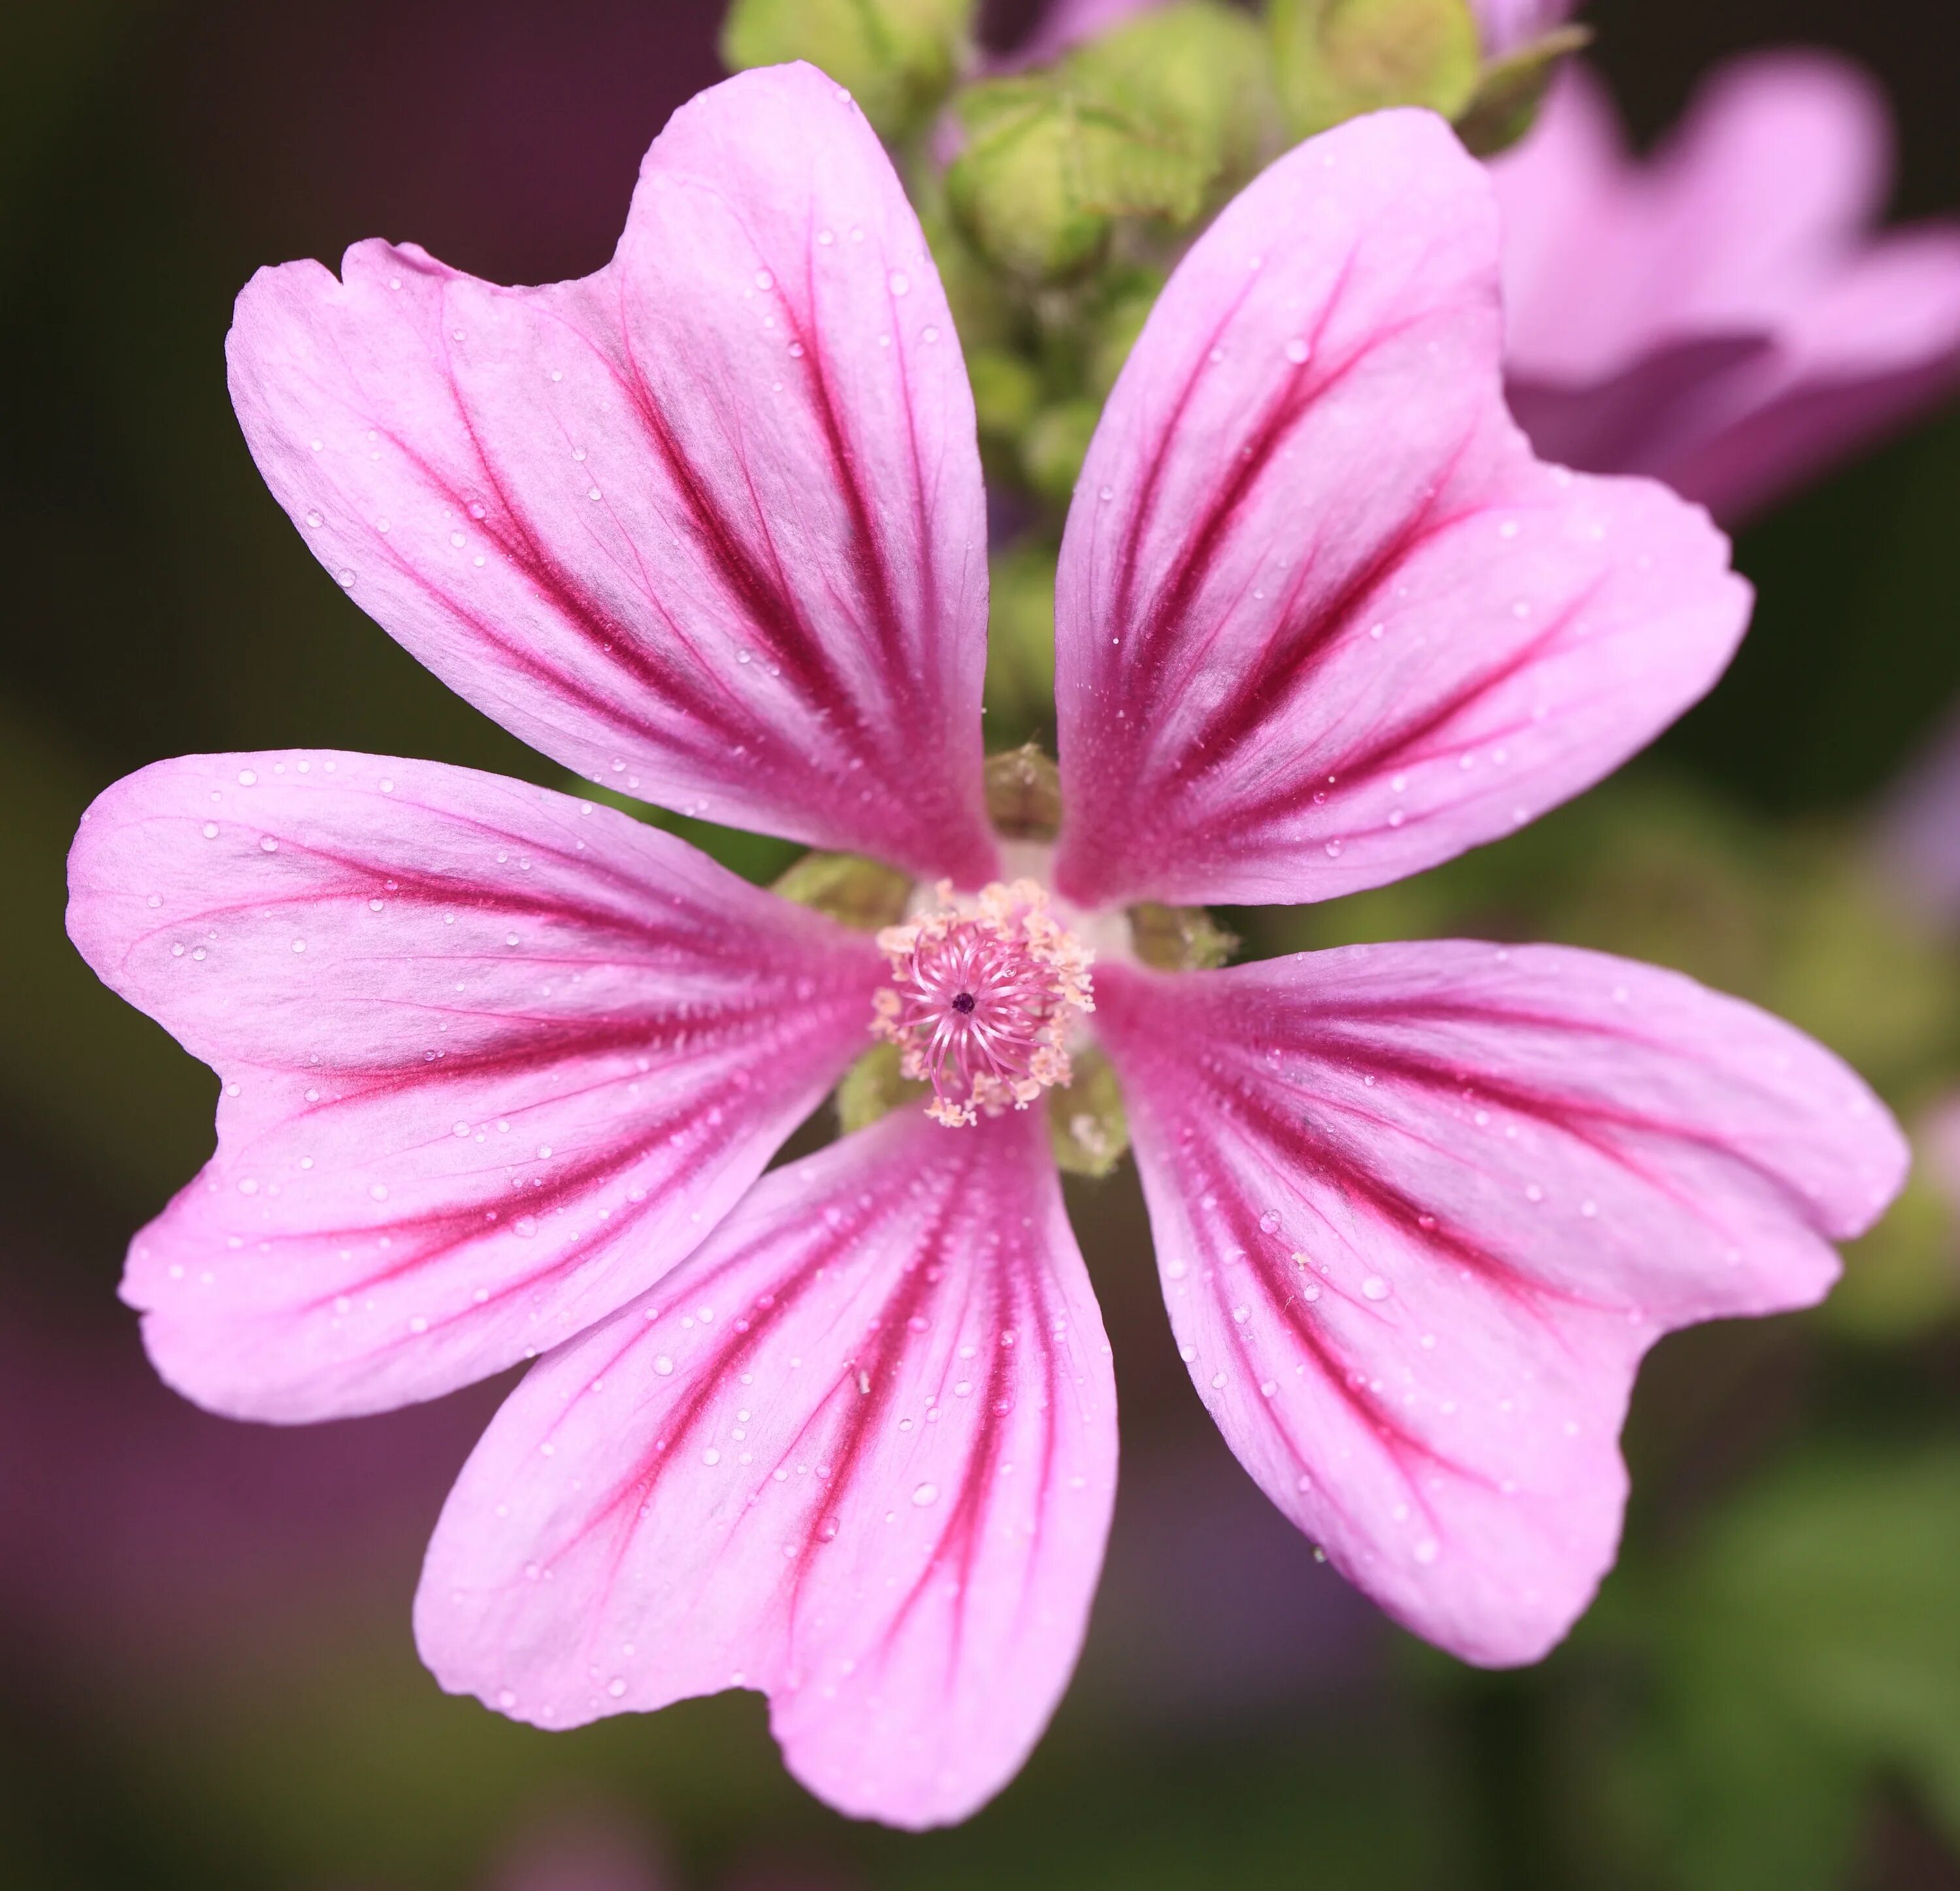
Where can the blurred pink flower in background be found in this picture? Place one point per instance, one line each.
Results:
(1918, 835)
(501, 1067)
(590, 1853)
(146, 1538)
(1508, 26)
(1722, 314)
(1065, 24)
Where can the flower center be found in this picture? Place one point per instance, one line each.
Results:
(981, 1000)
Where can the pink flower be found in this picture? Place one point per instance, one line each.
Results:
(1509, 26)
(1918, 831)
(1065, 24)
(1722, 316)
(501, 1068)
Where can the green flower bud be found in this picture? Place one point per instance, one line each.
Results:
(898, 57)
(1021, 642)
(864, 895)
(1198, 75)
(1047, 170)
(1505, 105)
(1024, 794)
(1016, 187)
(1052, 449)
(1337, 58)
(1087, 1129)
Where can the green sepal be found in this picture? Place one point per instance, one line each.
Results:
(863, 894)
(898, 59)
(1336, 60)
(1179, 938)
(1086, 1126)
(874, 1087)
(1024, 794)
(1506, 103)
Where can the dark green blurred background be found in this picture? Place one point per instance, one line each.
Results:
(208, 1679)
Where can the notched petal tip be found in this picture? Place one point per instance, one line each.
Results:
(858, 1453)
(706, 526)
(488, 1055)
(1421, 1209)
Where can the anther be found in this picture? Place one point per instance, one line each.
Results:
(982, 1001)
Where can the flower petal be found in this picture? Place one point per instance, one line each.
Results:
(494, 1060)
(1419, 1211)
(861, 1456)
(706, 526)
(1739, 267)
(1322, 620)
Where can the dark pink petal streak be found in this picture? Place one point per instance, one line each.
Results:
(1419, 1211)
(1321, 619)
(706, 526)
(493, 1059)
(859, 1453)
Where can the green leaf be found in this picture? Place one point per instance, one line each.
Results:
(898, 58)
(1811, 1650)
(1339, 58)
